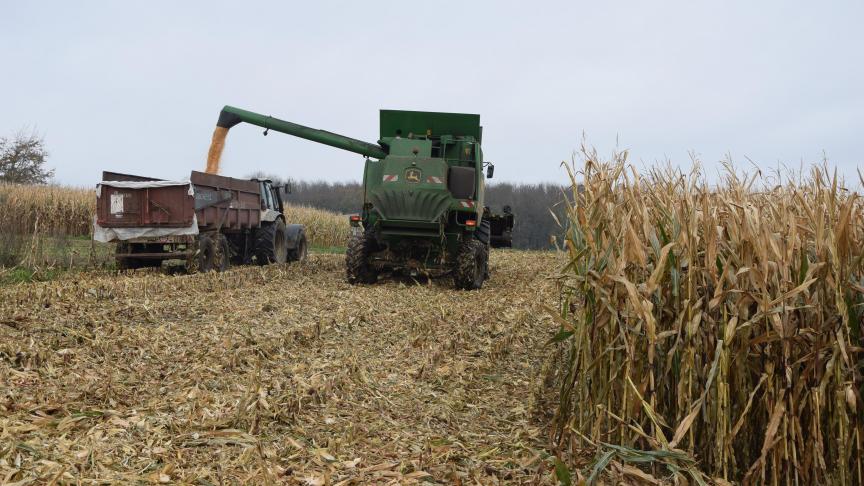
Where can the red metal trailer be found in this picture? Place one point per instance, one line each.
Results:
(208, 221)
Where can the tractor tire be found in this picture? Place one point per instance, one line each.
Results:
(270, 243)
(299, 253)
(213, 253)
(472, 265)
(357, 266)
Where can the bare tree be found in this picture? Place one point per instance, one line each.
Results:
(22, 159)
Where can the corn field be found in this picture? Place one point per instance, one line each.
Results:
(68, 211)
(323, 228)
(713, 329)
(48, 210)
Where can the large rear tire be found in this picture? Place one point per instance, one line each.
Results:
(472, 265)
(270, 243)
(357, 266)
(300, 251)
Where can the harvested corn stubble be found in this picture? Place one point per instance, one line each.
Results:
(283, 374)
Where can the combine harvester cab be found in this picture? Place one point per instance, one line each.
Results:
(424, 187)
(208, 222)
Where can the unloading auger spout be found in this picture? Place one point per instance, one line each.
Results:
(231, 116)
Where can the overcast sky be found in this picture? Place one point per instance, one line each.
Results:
(137, 86)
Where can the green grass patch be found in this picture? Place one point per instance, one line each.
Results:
(327, 249)
(18, 275)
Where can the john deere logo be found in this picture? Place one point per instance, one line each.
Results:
(413, 175)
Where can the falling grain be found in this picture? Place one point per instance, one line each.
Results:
(217, 145)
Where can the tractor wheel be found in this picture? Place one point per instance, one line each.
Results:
(298, 254)
(357, 266)
(471, 265)
(270, 244)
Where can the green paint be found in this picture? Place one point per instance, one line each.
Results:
(407, 199)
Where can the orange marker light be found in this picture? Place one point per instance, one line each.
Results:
(355, 217)
(471, 222)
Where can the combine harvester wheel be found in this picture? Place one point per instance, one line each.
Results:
(357, 259)
(472, 265)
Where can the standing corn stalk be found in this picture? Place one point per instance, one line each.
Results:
(725, 322)
(61, 211)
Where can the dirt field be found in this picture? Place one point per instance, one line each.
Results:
(275, 375)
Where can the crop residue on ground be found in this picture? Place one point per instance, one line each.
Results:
(282, 374)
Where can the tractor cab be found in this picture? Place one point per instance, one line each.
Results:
(271, 196)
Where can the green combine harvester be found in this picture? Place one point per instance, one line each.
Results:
(424, 181)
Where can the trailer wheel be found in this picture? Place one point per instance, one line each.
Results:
(357, 266)
(270, 244)
(472, 265)
(213, 253)
(300, 251)
(223, 253)
(206, 253)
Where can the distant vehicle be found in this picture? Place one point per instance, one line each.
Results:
(209, 222)
(500, 227)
